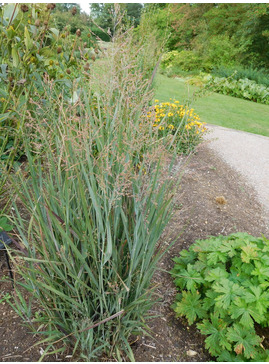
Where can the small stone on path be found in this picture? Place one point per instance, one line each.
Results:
(191, 353)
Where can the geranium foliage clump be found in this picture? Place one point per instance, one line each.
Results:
(223, 283)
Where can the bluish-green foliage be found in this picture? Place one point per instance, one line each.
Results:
(260, 76)
(242, 88)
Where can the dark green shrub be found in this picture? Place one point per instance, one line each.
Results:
(260, 76)
(223, 283)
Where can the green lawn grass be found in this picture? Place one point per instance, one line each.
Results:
(215, 108)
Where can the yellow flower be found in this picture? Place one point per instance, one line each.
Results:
(176, 102)
(188, 126)
(170, 114)
(161, 127)
(170, 126)
(156, 100)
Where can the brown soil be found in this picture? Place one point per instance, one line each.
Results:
(212, 200)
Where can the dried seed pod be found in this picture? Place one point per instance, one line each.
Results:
(37, 23)
(96, 50)
(74, 11)
(89, 35)
(59, 50)
(24, 8)
(68, 71)
(46, 23)
(51, 6)
(78, 32)
(93, 57)
(85, 44)
(221, 200)
(22, 81)
(87, 66)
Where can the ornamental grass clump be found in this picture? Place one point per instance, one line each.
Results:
(99, 196)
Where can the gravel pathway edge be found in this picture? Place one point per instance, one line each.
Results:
(248, 154)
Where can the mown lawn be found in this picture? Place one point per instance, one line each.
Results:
(217, 109)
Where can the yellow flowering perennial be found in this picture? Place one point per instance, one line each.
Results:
(173, 118)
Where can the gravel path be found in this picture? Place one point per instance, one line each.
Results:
(248, 154)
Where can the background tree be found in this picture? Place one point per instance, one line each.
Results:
(217, 33)
(103, 15)
(70, 16)
(67, 6)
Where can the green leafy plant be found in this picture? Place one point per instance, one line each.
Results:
(4, 224)
(185, 60)
(242, 88)
(223, 283)
(32, 51)
(5, 298)
(260, 76)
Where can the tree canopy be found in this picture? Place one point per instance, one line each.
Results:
(241, 30)
(103, 14)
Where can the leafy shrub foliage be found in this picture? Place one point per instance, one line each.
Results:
(178, 125)
(242, 88)
(220, 51)
(32, 51)
(184, 60)
(223, 283)
(238, 72)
